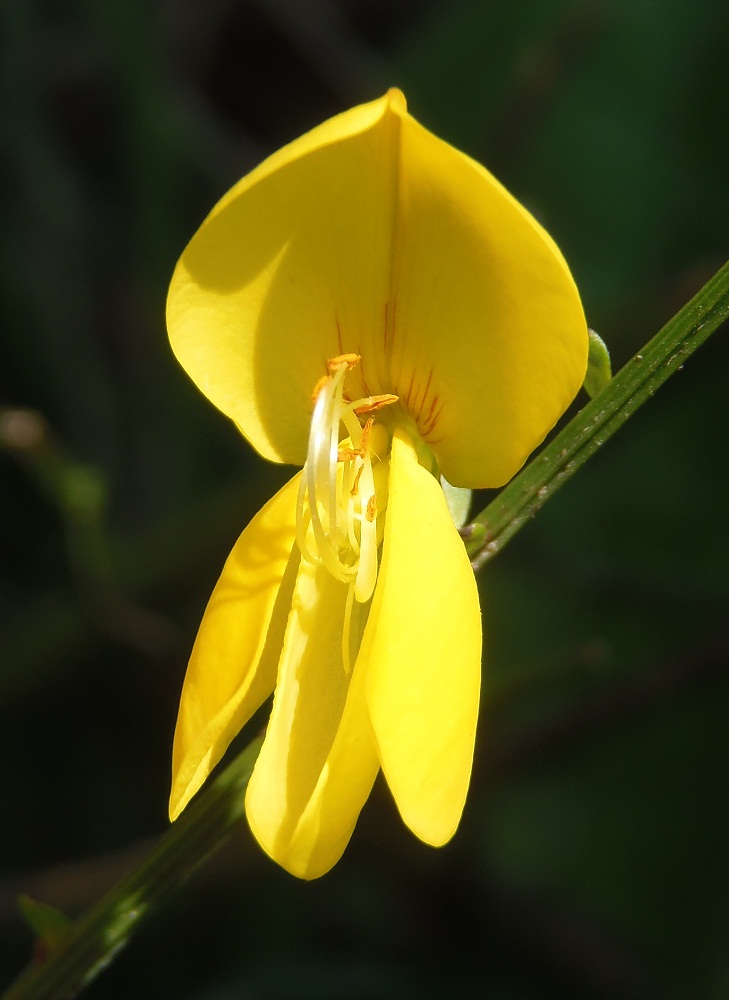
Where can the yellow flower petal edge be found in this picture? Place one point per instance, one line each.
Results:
(371, 235)
(422, 653)
(234, 661)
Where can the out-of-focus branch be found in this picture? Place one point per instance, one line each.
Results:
(612, 705)
(105, 929)
(78, 491)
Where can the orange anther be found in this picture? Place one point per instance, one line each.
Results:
(350, 360)
(355, 485)
(366, 430)
(319, 386)
(371, 508)
(349, 454)
(371, 403)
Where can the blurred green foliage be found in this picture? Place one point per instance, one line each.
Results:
(591, 861)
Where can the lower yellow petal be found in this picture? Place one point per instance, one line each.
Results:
(318, 760)
(422, 652)
(232, 668)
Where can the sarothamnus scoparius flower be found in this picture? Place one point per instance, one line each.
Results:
(371, 304)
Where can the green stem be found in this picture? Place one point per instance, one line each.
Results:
(101, 933)
(105, 929)
(600, 419)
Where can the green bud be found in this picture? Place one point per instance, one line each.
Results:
(458, 500)
(599, 370)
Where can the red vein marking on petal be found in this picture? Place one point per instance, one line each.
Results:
(408, 395)
(436, 408)
(425, 395)
(428, 435)
(436, 417)
(388, 329)
(363, 378)
(433, 404)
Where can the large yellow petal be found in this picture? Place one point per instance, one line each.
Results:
(422, 653)
(318, 760)
(489, 343)
(371, 235)
(233, 665)
(291, 267)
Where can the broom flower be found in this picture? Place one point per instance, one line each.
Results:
(370, 304)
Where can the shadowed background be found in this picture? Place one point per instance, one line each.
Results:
(591, 860)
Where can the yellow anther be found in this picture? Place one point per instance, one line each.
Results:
(371, 513)
(371, 403)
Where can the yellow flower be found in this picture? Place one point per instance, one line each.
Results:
(441, 333)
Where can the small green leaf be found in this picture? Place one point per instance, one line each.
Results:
(50, 925)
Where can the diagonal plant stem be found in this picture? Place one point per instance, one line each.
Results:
(103, 931)
(665, 354)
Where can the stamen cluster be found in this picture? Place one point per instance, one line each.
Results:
(336, 517)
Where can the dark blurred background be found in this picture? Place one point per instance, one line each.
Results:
(592, 857)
